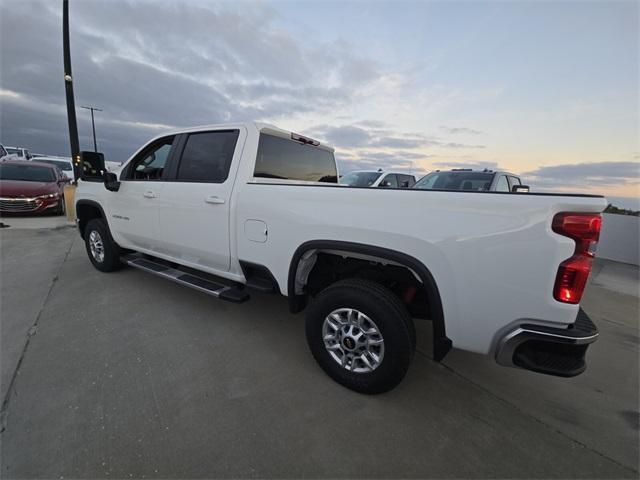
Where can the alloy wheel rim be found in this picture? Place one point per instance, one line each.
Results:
(353, 340)
(96, 246)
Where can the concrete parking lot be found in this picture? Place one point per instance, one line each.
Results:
(125, 375)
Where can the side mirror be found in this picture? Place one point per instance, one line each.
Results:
(384, 184)
(91, 166)
(520, 189)
(405, 184)
(111, 182)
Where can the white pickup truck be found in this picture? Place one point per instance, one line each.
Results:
(227, 209)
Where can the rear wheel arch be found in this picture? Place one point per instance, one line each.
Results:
(297, 302)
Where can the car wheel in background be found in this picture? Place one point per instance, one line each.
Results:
(361, 335)
(103, 252)
(62, 209)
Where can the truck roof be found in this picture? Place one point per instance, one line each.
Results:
(259, 126)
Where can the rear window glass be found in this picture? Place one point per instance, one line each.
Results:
(284, 159)
(478, 181)
(28, 173)
(360, 179)
(207, 156)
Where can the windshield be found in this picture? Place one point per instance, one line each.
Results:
(28, 173)
(360, 179)
(61, 164)
(15, 151)
(473, 181)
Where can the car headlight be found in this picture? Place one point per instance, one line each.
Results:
(48, 196)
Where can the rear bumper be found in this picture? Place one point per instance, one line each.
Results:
(553, 351)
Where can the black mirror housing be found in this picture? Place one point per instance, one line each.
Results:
(520, 189)
(92, 166)
(111, 182)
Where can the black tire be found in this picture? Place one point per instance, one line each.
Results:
(62, 209)
(110, 261)
(389, 315)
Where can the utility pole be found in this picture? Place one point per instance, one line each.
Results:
(93, 126)
(68, 86)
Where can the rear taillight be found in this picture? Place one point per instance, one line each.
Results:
(584, 229)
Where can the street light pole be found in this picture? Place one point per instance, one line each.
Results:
(68, 86)
(93, 126)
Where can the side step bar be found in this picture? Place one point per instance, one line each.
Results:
(214, 288)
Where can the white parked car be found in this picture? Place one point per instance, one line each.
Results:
(466, 179)
(4, 155)
(19, 153)
(379, 178)
(227, 209)
(63, 163)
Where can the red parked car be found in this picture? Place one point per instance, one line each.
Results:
(31, 187)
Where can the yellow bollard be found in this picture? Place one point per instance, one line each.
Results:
(69, 203)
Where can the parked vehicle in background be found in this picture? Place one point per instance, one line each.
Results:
(112, 166)
(226, 209)
(380, 178)
(62, 163)
(471, 180)
(19, 152)
(4, 155)
(31, 187)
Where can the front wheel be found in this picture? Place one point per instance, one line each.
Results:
(103, 252)
(62, 208)
(361, 335)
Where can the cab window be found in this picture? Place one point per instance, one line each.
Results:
(284, 159)
(503, 185)
(390, 181)
(149, 164)
(207, 156)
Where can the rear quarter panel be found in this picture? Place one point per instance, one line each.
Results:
(493, 256)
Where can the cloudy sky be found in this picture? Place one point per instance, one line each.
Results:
(547, 90)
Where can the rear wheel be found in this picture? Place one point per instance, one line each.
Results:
(103, 252)
(361, 335)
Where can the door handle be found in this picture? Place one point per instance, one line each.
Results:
(149, 194)
(213, 199)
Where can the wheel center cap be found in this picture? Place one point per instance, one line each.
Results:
(349, 343)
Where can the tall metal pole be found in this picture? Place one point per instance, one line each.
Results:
(68, 86)
(93, 126)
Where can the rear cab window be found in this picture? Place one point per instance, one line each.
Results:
(280, 158)
(406, 181)
(389, 181)
(207, 156)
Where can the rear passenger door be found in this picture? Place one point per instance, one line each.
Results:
(195, 206)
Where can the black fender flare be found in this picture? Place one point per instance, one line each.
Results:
(441, 344)
(89, 203)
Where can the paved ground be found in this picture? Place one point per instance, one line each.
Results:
(126, 375)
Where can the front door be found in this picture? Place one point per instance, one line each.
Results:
(134, 207)
(195, 205)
